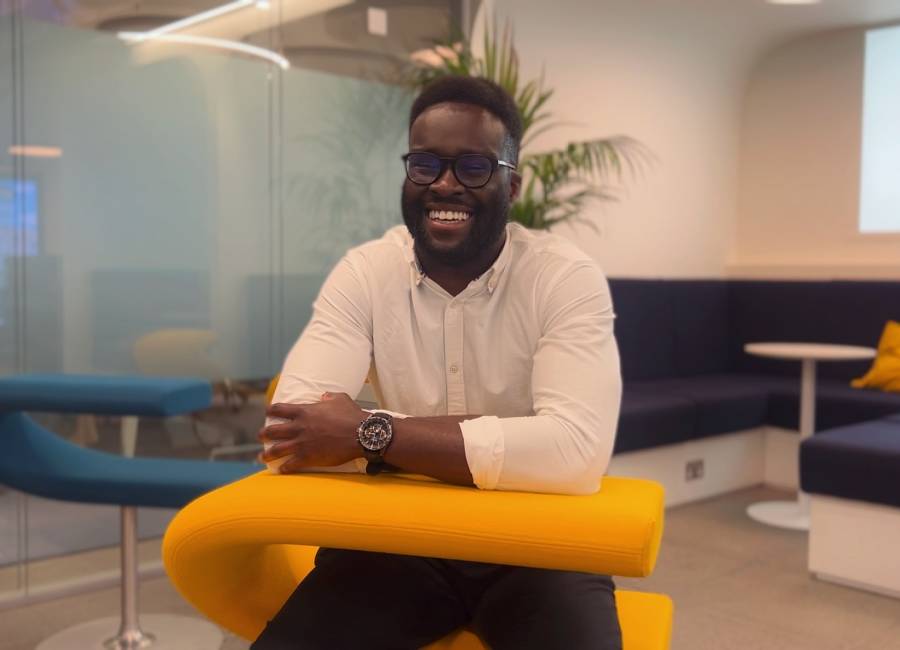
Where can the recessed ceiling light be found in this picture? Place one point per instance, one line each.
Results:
(793, 2)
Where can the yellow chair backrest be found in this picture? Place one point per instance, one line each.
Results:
(270, 391)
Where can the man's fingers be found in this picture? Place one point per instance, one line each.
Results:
(286, 411)
(279, 449)
(283, 431)
(295, 464)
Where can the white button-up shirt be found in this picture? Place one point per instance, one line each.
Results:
(527, 348)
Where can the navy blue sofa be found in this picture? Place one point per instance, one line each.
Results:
(686, 374)
(860, 462)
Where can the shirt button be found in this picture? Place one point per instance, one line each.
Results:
(454, 369)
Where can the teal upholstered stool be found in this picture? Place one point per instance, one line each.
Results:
(36, 461)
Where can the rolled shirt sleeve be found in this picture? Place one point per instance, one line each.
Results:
(566, 445)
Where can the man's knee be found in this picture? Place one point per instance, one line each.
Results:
(533, 608)
(353, 599)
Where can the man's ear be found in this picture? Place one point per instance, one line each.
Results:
(515, 186)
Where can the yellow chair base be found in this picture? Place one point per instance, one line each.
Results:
(238, 552)
(645, 618)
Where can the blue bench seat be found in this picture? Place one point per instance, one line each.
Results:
(722, 402)
(665, 411)
(860, 462)
(37, 461)
(649, 419)
(837, 405)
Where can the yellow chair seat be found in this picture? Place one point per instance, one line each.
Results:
(238, 552)
(645, 619)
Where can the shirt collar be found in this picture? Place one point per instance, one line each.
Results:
(491, 277)
(410, 254)
(493, 274)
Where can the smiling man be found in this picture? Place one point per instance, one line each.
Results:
(491, 349)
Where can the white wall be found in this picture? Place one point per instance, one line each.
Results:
(666, 78)
(800, 161)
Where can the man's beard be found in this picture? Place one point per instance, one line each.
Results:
(488, 225)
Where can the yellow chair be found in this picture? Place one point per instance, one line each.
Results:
(238, 552)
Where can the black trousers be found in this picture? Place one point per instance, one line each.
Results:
(353, 600)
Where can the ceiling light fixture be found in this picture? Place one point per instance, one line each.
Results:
(207, 41)
(202, 17)
(793, 2)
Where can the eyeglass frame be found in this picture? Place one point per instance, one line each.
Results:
(451, 161)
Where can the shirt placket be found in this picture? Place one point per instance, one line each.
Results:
(453, 356)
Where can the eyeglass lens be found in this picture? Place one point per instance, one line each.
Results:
(472, 170)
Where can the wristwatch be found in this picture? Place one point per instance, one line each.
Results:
(374, 435)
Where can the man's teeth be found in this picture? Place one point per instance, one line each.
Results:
(448, 215)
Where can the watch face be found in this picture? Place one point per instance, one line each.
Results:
(375, 433)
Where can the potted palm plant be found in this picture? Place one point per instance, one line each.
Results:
(556, 183)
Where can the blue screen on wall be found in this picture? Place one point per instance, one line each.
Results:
(18, 217)
(18, 225)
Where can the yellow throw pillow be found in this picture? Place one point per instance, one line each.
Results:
(885, 370)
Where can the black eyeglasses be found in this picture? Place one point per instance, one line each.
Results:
(473, 170)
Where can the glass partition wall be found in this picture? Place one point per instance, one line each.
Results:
(177, 178)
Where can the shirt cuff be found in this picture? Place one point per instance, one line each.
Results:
(393, 414)
(483, 440)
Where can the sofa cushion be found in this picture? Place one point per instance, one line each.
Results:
(644, 328)
(837, 405)
(700, 317)
(860, 462)
(724, 402)
(651, 419)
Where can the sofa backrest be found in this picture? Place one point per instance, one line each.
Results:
(643, 328)
(676, 328)
(701, 326)
(670, 328)
(847, 312)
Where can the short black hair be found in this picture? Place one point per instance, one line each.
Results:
(478, 92)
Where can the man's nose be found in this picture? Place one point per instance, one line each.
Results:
(447, 183)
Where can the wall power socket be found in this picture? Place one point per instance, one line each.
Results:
(693, 470)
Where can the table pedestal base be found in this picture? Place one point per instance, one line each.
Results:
(784, 514)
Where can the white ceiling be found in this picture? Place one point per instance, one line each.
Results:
(766, 22)
(750, 27)
(741, 31)
(769, 25)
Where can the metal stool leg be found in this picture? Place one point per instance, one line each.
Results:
(130, 636)
(171, 632)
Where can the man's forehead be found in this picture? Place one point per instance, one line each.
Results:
(459, 121)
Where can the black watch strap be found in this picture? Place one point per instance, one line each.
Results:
(375, 467)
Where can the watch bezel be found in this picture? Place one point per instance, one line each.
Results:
(367, 441)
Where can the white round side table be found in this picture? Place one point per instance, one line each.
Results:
(795, 514)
